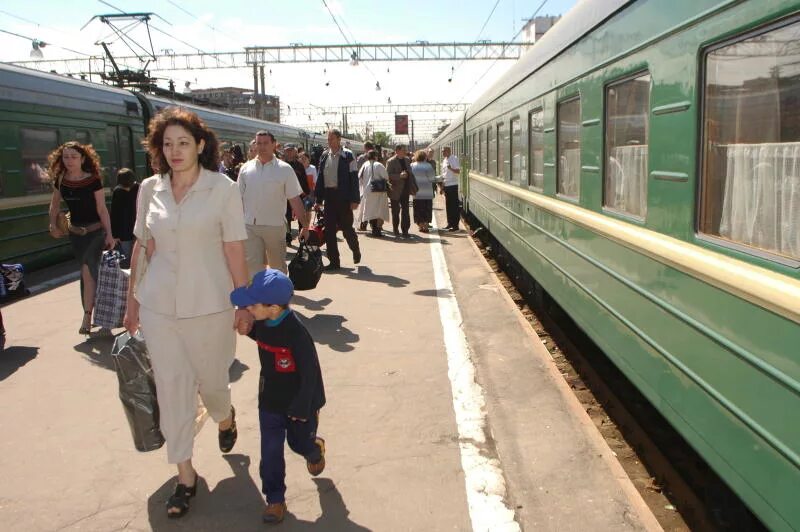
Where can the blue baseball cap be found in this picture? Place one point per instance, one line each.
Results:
(268, 287)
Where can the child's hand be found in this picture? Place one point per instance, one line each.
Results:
(243, 321)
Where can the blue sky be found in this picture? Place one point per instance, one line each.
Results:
(232, 24)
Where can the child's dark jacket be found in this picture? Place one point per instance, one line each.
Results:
(291, 379)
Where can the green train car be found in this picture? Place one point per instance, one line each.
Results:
(40, 111)
(642, 163)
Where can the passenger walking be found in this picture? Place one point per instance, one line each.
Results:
(75, 171)
(266, 184)
(423, 199)
(450, 172)
(190, 226)
(311, 172)
(290, 157)
(123, 212)
(403, 186)
(360, 219)
(374, 182)
(337, 188)
(291, 392)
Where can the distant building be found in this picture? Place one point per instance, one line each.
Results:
(241, 102)
(538, 26)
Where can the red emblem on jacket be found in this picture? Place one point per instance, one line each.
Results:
(284, 360)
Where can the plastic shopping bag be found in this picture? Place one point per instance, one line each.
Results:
(137, 391)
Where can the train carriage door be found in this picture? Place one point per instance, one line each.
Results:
(110, 161)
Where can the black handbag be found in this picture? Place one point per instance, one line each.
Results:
(305, 269)
(377, 185)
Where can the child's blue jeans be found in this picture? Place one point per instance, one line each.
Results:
(301, 436)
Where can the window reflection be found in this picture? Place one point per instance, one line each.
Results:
(751, 174)
(536, 148)
(569, 148)
(627, 129)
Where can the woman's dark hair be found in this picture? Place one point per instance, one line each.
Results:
(176, 116)
(91, 161)
(126, 177)
(372, 155)
(238, 156)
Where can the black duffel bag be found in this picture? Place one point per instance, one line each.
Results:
(137, 391)
(305, 269)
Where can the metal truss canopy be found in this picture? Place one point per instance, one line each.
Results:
(422, 51)
(260, 55)
(379, 109)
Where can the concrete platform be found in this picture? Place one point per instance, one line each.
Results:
(394, 445)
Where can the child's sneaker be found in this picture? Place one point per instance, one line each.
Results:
(319, 467)
(274, 513)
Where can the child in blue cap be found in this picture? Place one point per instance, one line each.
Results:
(290, 390)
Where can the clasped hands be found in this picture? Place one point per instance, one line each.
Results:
(243, 321)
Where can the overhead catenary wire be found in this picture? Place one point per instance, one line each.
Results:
(477, 38)
(213, 28)
(496, 60)
(335, 21)
(155, 28)
(48, 43)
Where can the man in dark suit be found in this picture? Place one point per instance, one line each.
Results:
(337, 188)
(403, 185)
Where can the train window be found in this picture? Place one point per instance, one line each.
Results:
(473, 156)
(110, 162)
(491, 142)
(751, 142)
(82, 136)
(536, 148)
(569, 148)
(503, 141)
(518, 158)
(481, 152)
(627, 130)
(125, 148)
(36, 145)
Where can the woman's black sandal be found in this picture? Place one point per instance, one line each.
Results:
(180, 499)
(227, 437)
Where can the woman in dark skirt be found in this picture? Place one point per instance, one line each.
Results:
(423, 199)
(75, 170)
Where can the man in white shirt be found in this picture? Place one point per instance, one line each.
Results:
(450, 172)
(266, 184)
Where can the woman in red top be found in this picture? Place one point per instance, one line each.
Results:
(75, 170)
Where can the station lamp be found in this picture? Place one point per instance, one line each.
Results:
(36, 51)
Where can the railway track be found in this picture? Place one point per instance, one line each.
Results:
(679, 487)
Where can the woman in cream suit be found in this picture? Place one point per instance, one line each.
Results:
(191, 221)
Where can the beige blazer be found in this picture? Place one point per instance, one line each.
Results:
(188, 275)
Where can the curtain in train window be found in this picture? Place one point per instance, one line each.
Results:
(569, 148)
(518, 158)
(503, 141)
(35, 146)
(627, 130)
(474, 154)
(491, 142)
(536, 148)
(751, 145)
(126, 148)
(481, 157)
(110, 160)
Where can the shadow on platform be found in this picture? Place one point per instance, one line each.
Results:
(97, 350)
(432, 292)
(329, 329)
(365, 273)
(310, 304)
(236, 370)
(14, 357)
(236, 503)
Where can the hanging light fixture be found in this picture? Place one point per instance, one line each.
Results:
(377, 85)
(36, 51)
(354, 59)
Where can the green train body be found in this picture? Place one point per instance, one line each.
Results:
(705, 326)
(39, 111)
